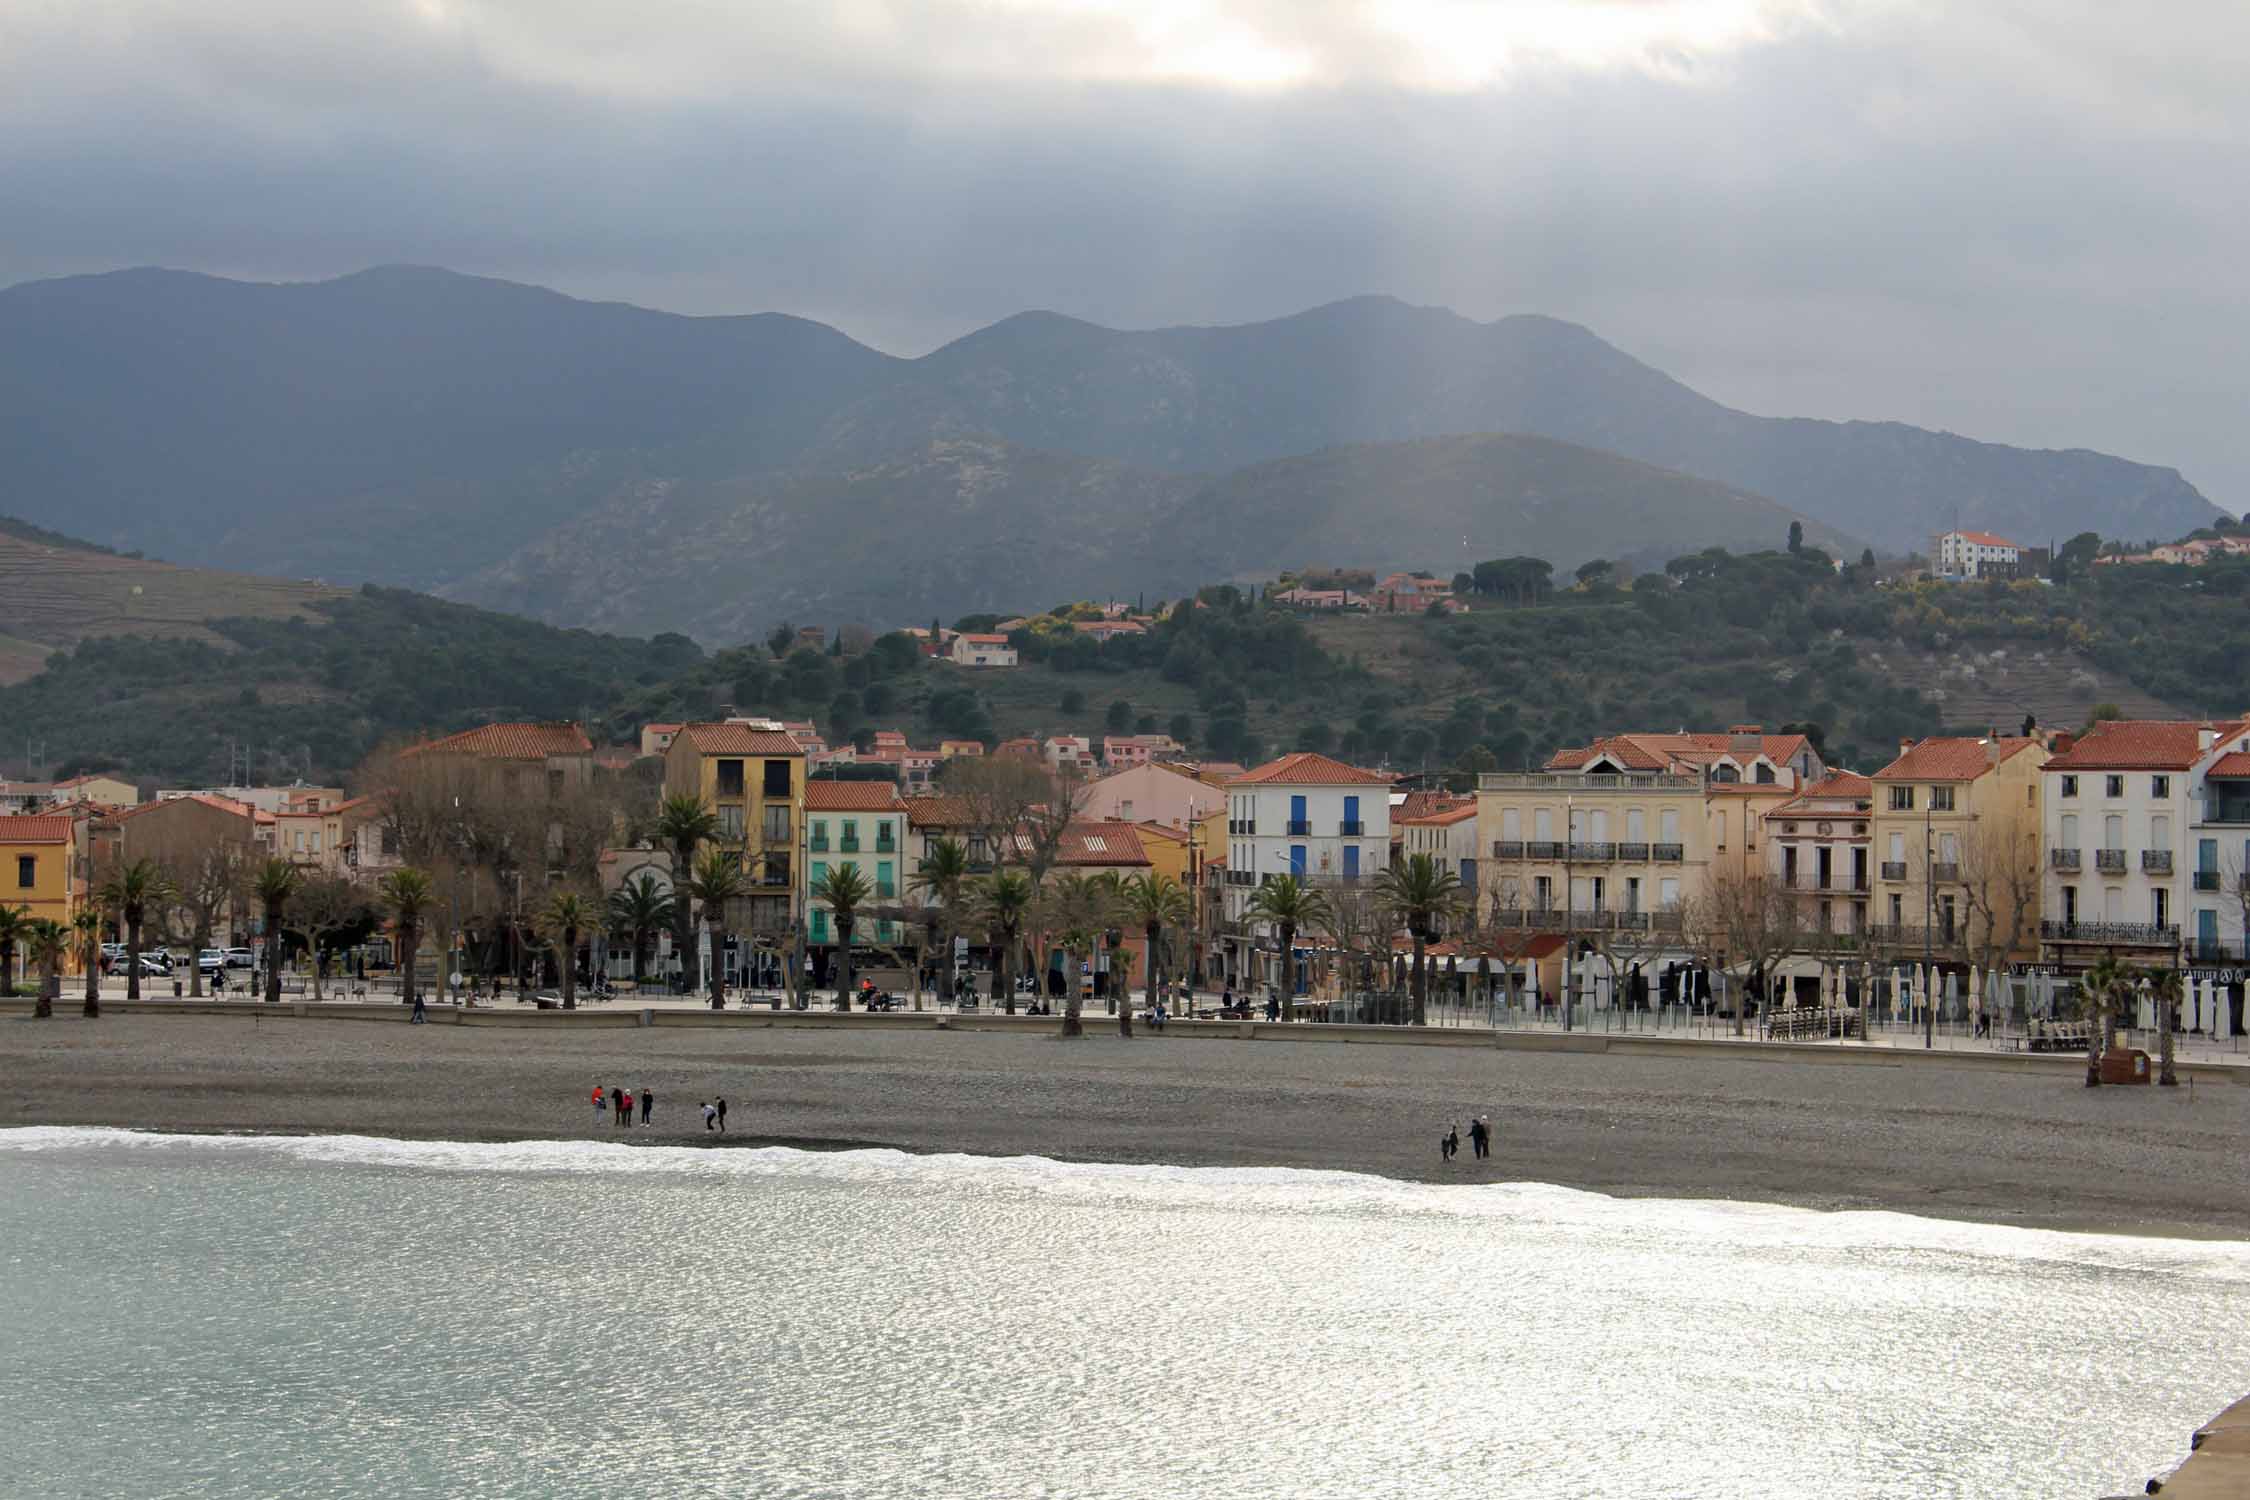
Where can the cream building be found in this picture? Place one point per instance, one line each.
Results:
(1954, 817)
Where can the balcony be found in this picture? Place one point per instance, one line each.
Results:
(885, 891)
(2200, 952)
(1582, 781)
(1894, 869)
(1555, 919)
(1638, 852)
(1542, 851)
(1300, 828)
(2112, 860)
(847, 846)
(1945, 874)
(1666, 854)
(1507, 848)
(2156, 861)
(886, 846)
(818, 843)
(2115, 934)
(1580, 849)
(2070, 860)
(1351, 828)
(2208, 880)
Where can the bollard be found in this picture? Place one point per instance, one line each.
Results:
(648, 1015)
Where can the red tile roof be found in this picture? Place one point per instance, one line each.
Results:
(1442, 818)
(1836, 786)
(939, 812)
(1983, 539)
(1422, 804)
(511, 742)
(1949, 758)
(852, 796)
(2233, 763)
(35, 829)
(1096, 843)
(737, 739)
(2140, 745)
(1308, 768)
(1658, 752)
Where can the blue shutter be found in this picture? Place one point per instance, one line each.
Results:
(1351, 861)
(1297, 860)
(1351, 810)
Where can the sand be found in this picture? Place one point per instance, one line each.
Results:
(1983, 1144)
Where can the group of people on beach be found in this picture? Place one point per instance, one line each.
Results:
(1480, 1138)
(614, 1105)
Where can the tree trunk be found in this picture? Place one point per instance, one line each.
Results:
(2094, 1020)
(50, 990)
(1154, 970)
(273, 956)
(133, 958)
(844, 962)
(718, 965)
(567, 962)
(408, 940)
(312, 946)
(1072, 1025)
(1002, 980)
(1421, 978)
(1288, 971)
(94, 976)
(200, 941)
(683, 922)
(2167, 1012)
(8, 968)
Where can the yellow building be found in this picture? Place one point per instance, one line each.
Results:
(754, 780)
(44, 862)
(1954, 819)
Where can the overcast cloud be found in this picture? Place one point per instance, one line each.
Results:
(2018, 219)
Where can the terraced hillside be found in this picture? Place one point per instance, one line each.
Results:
(55, 593)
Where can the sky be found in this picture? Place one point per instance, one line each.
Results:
(2022, 220)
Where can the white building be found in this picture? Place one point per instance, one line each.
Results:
(981, 651)
(1974, 554)
(1304, 815)
(1448, 836)
(2145, 841)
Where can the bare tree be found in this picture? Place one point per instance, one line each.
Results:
(2000, 883)
(1754, 918)
(324, 907)
(1018, 808)
(208, 887)
(1359, 927)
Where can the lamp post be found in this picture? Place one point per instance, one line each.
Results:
(1570, 912)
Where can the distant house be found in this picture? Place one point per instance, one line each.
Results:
(1322, 599)
(1409, 594)
(1109, 630)
(974, 650)
(657, 738)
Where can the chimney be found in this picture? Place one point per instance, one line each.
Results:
(1992, 751)
(2206, 737)
(1905, 743)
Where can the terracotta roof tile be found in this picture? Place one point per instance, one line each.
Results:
(2233, 763)
(511, 742)
(939, 812)
(1097, 843)
(35, 829)
(1442, 818)
(2140, 744)
(852, 796)
(1308, 768)
(1950, 758)
(737, 739)
(1983, 539)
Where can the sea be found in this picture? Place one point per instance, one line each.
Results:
(269, 1316)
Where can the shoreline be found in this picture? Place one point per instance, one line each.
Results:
(2004, 1146)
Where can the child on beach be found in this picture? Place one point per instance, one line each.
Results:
(709, 1115)
(648, 1105)
(625, 1111)
(1451, 1143)
(722, 1115)
(601, 1103)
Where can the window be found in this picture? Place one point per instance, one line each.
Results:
(1601, 826)
(2160, 832)
(1719, 826)
(730, 778)
(1765, 774)
(554, 785)
(2161, 910)
(819, 872)
(731, 824)
(2070, 830)
(1543, 825)
(1896, 917)
(1351, 815)
(776, 829)
(2070, 786)
(388, 842)
(1902, 799)
(2160, 786)
(1297, 860)
(1511, 825)
(776, 778)
(1351, 861)
(1941, 799)
(884, 889)
(1636, 826)
(27, 871)
(1671, 825)
(2113, 786)
(2070, 905)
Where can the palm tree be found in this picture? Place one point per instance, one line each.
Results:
(941, 877)
(408, 893)
(45, 943)
(684, 824)
(86, 926)
(275, 887)
(1292, 907)
(716, 880)
(1079, 908)
(640, 909)
(844, 890)
(1155, 901)
(130, 893)
(1003, 902)
(15, 926)
(2165, 983)
(1420, 894)
(2101, 991)
(565, 919)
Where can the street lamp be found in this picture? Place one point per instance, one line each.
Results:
(1570, 911)
(1929, 917)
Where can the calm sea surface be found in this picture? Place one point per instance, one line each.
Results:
(257, 1317)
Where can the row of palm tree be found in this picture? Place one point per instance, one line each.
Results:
(2104, 994)
(1419, 894)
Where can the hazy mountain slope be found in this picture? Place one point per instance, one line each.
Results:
(259, 425)
(971, 523)
(1373, 369)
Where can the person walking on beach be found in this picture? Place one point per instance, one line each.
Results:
(625, 1112)
(421, 1017)
(616, 1104)
(722, 1115)
(709, 1115)
(648, 1105)
(1480, 1137)
(1451, 1143)
(601, 1103)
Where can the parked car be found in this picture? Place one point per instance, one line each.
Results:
(241, 958)
(211, 960)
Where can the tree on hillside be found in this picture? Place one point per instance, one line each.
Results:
(1596, 573)
(780, 639)
(1119, 718)
(1796, 536)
